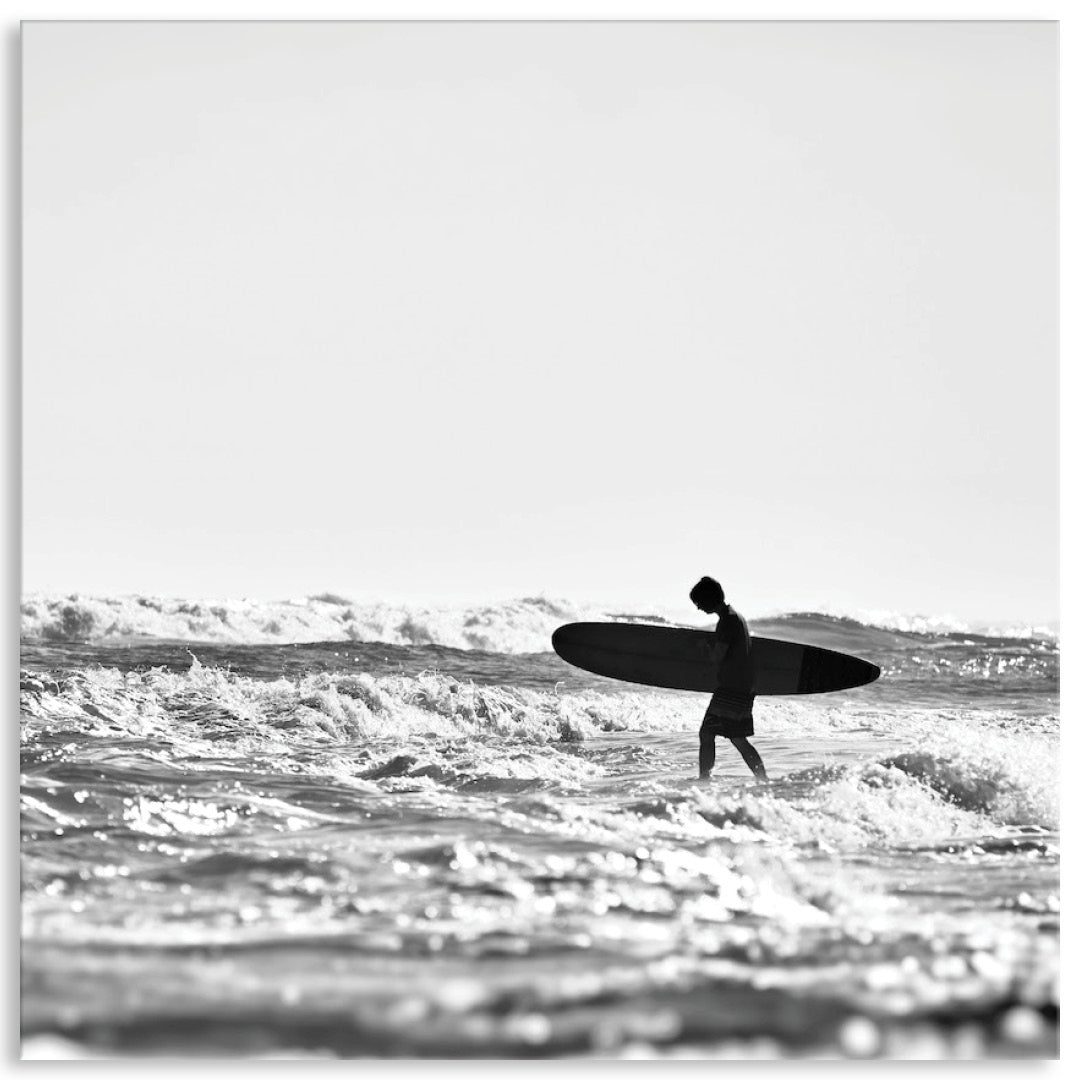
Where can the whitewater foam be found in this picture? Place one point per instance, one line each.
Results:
(517, 626)
(261, 817)
(513, 627)
(223, 709)
(943, 624)
(946, 768)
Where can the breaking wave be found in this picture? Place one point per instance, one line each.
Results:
(960, 767)
(514, 626)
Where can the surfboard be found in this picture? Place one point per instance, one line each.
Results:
(679, 659)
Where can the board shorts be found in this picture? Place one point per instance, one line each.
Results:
(726, 719)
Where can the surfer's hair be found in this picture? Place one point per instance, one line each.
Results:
(707, 590)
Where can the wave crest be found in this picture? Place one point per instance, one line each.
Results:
(516, 626)
(513, 626)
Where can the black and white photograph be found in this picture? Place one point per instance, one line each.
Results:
(538, 538)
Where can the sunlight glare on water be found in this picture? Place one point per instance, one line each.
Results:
(380, 849)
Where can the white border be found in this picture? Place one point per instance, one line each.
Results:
(576, 10)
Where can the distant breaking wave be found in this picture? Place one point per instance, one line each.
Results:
(516, 626)
(940, 625)
(513, 626)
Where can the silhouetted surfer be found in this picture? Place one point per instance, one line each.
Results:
(731, 711)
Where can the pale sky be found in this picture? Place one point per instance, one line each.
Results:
(445, 312)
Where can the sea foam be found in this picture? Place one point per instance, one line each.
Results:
(515, 626)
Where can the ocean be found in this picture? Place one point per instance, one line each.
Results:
(334, 829)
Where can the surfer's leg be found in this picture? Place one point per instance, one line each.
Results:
(749, 755)
(706, 750)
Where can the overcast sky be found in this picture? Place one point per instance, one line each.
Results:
(438, 312)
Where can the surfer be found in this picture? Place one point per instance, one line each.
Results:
(730, 713)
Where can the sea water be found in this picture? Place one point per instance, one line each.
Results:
(333, 829)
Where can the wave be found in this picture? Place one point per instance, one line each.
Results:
(433, 729)
(514, 626)
(895, 624)
(218, 709)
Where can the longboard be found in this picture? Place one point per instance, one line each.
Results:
(679, 659)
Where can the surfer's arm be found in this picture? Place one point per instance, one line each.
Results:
(718, 650)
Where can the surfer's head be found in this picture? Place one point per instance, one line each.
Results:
(708, 595)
